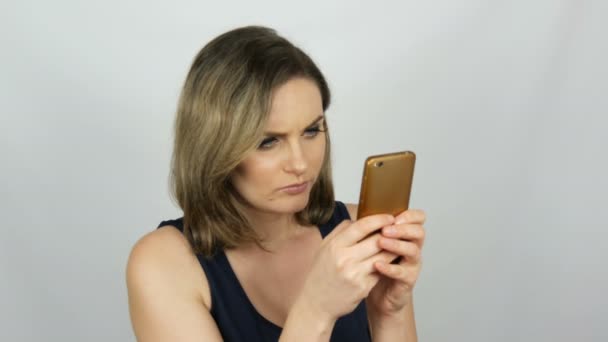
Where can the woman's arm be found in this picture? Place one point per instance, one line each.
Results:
(400, 327)
(303, 324)
(165, 299)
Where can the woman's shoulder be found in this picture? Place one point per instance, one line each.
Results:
(163, 257)
(166, 288)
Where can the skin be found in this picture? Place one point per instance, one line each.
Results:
(390, 305)
(295, 157)
(314, 280)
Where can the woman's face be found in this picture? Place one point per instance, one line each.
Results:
(291, 152)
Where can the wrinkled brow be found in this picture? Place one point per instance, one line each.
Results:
(278, 134)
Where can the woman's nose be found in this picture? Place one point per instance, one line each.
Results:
(296, 160)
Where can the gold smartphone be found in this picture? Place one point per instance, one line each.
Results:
(386, 184)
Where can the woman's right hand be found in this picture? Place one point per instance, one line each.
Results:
(342, 273)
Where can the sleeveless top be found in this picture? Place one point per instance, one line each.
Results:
(237, 318)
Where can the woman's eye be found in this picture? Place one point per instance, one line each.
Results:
(267, 143)
(313, 131)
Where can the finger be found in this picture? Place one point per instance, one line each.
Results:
(371, 280)
(365, 248)
(369, 247)
(363, 227)
(407, 249)
(405, 231)
(382, 256)
(411, 216)
(398, 272)
(338, 229)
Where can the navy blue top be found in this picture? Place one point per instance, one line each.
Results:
(237, 318)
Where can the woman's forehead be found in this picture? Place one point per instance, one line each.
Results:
(296, 103)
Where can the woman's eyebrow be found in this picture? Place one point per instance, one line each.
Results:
(277, 134)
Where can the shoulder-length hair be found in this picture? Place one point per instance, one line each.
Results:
(221, 116)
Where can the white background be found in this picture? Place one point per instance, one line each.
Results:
(504, 103)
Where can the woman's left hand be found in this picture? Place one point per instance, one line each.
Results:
(405, 238)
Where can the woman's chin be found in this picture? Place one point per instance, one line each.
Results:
(291, 205)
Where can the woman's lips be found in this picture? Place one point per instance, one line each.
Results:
(295, 189)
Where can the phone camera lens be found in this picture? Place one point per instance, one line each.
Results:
(379, 164)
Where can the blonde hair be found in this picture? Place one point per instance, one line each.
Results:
(222, 111)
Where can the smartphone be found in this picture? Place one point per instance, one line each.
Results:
(386, 184)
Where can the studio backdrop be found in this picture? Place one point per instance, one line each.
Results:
(504, 103)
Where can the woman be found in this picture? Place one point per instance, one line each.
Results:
(263, 251)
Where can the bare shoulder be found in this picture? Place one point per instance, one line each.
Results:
(162, 253)
(352, 210)
(168, 290)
